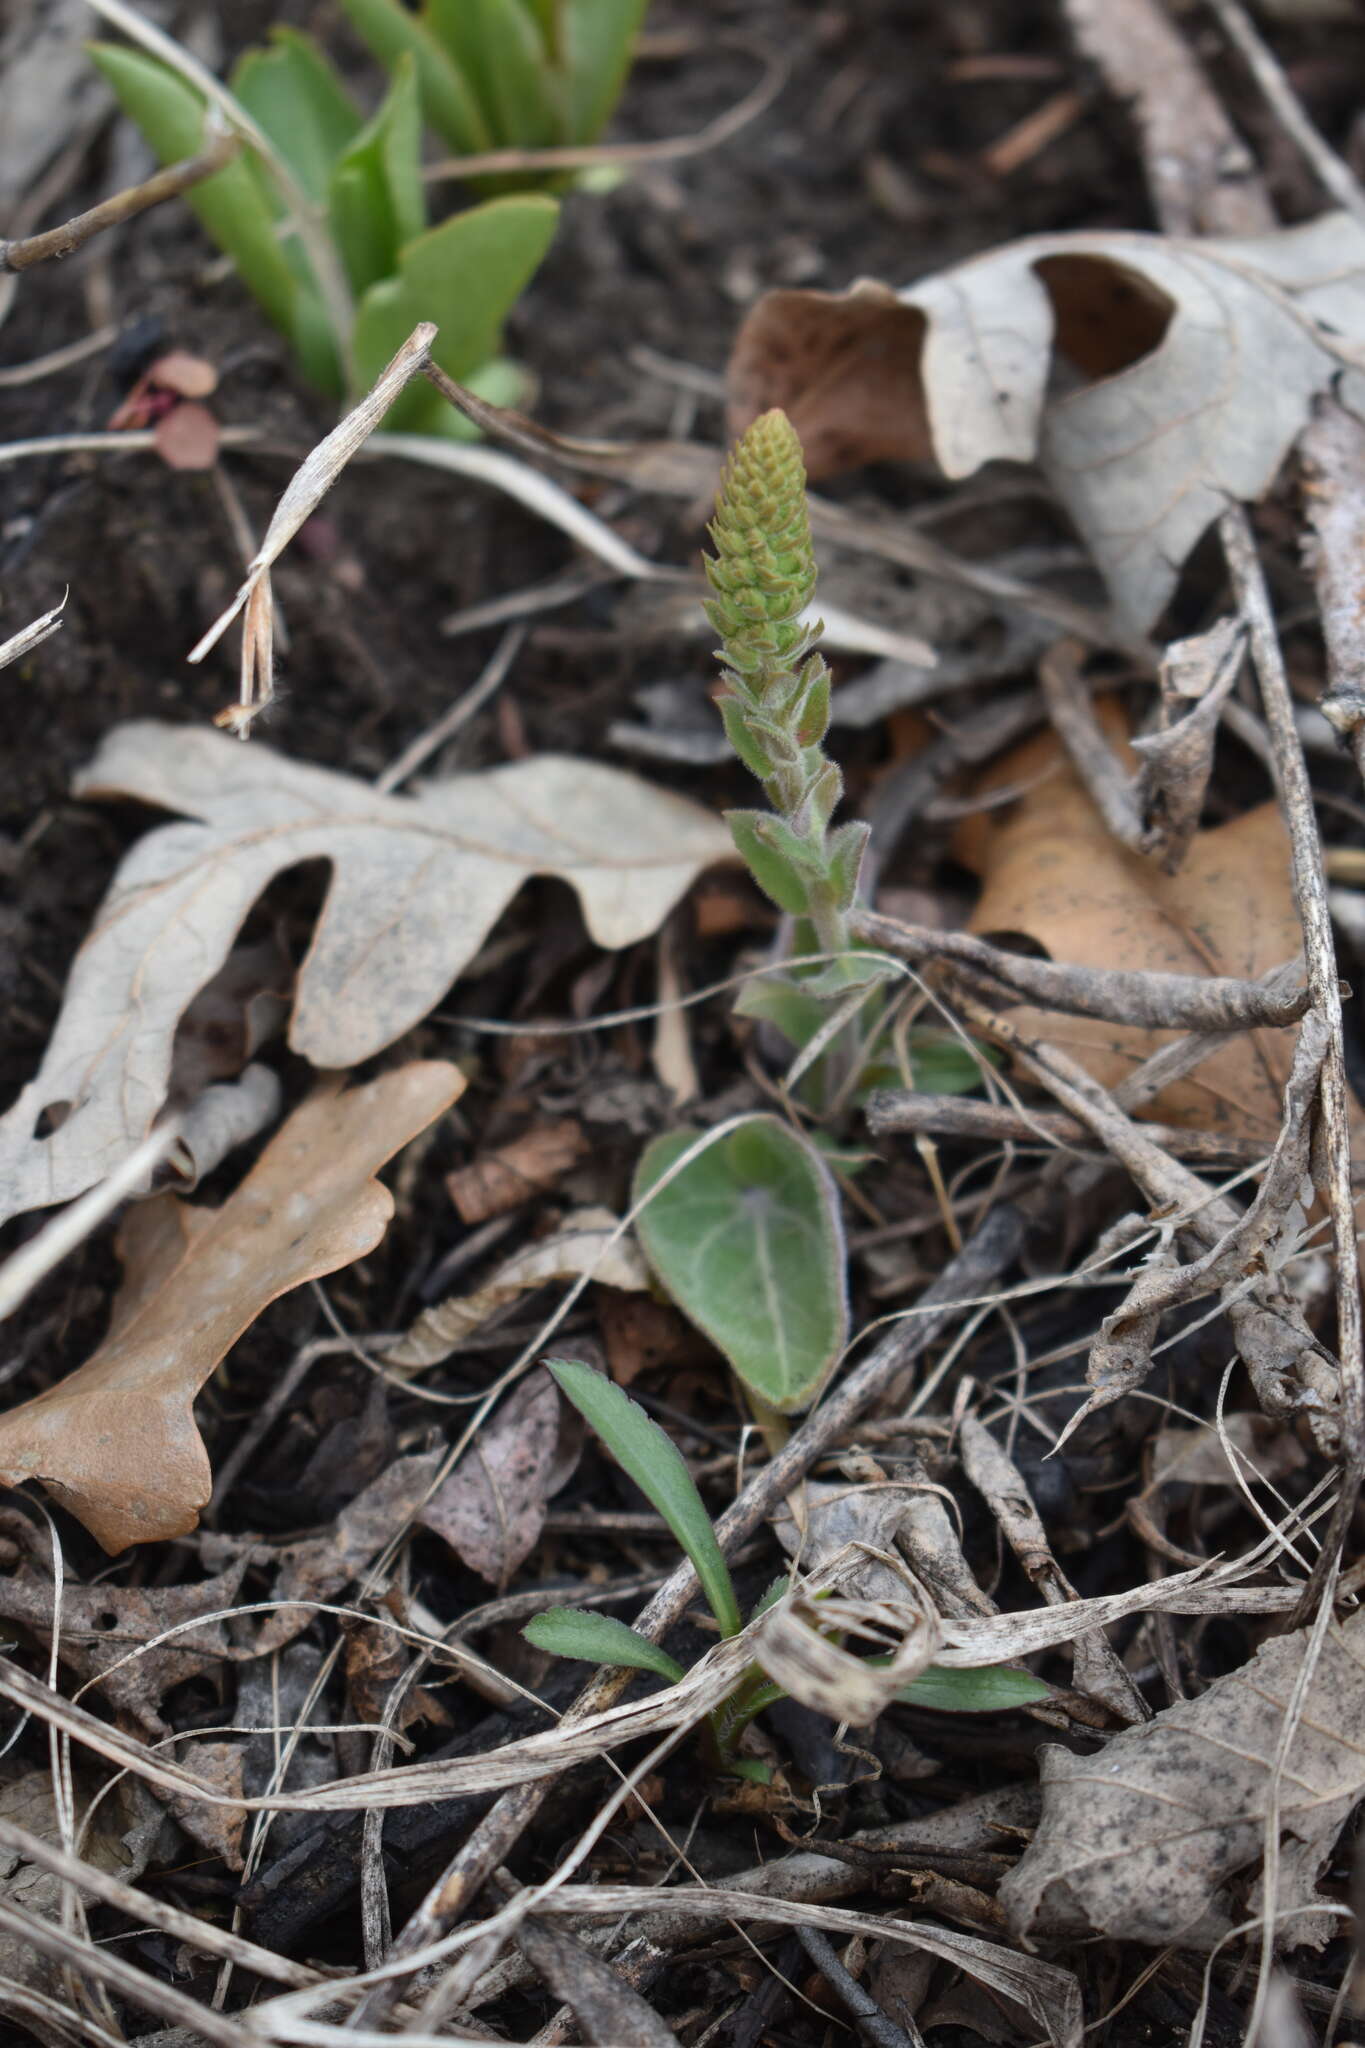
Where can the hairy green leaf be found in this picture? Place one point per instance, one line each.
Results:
(449, 105)
(599, 1639)
(769, 868)
(466, 275)
(747, 1240)
(655, 1463)
(992, 1689)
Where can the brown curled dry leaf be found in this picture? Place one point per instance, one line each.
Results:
(511, 1174)
(1151, 378)
(491, 1508)
(1142, 1840)
(1051, 870)
(417, 883)
(116, 1442)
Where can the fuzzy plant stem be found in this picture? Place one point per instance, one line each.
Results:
(775, 700)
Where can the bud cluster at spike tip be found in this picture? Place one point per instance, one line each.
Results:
(763, 573)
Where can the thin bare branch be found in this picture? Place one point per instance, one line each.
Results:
(54, 243)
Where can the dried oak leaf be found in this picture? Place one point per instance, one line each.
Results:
(1140, 1840)
(1052, 871)
(1150, 378)
(417, 883)
(116, 1442)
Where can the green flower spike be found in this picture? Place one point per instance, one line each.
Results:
(775, 702)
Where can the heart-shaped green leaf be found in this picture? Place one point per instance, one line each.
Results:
(747, 1240)
(599, 1639)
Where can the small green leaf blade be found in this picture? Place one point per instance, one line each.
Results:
(599, 1639)
(375, 189)
(294, 93)
(466, 275)
(596, 39)
(232, 205)
(655, 1463)
(748, 1241)
(990, 1689)
(447, 101)
(523, 100)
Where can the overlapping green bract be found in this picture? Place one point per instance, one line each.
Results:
(365, 179)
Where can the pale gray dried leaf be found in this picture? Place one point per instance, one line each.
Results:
(492, 1507)
(1202, 359)
(417, 883)
(26, 1800)
(585, 1246)
(1140, 1840)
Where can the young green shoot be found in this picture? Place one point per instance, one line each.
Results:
(653, 1461)
(775, 700)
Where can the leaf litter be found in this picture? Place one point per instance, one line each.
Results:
(1148, 1550)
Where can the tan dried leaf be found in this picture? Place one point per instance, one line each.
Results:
(1141, 1840)
(116, 1442)
(510, 1174)
(417, 883)
(1051, 870)
(1187, 369)
(585, 1245)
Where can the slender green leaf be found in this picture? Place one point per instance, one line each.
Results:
(293, 91)
(596, 41)
(992, 1689)
(375, 190)
(232, 205)
(747, 1240)
(449, 104)
(599, 1639)
(656, 1465)
(466, 275)
(771, 1597)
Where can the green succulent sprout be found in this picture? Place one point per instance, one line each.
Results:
(362, 183)
(775, 701)
(508, 74)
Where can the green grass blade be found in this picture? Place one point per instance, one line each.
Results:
(447, 101)
(991, 1689)
(599, 1639)
(748, 1241)
(656, 1465)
